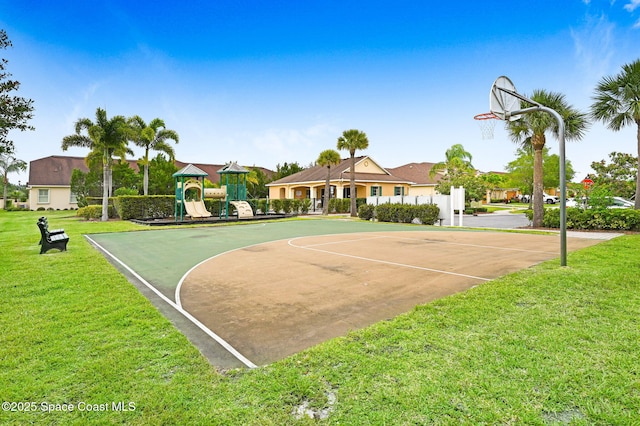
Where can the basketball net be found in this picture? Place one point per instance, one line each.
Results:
(486, 122)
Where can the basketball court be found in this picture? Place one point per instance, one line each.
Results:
(250, 295)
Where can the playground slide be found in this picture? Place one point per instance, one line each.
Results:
(243, 208)
(201, 208)
(196, 209)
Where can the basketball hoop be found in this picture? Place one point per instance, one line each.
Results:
(486, 122)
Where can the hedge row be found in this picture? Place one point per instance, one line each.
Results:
(143, 207)
(286, 205)
(427, 214)
(156, 206)
(95, 212)
(593, 219)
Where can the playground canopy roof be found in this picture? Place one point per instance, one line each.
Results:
(233, 168)
(190, 170)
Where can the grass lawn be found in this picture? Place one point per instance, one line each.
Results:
(547, 345)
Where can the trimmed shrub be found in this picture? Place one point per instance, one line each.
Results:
(287, 205)
(405, 213)
(593, 219)
(427, 213)
(305, 205)
(144, 207)
(125, 191)
(94, 212)
(276, 205)
(366, 211)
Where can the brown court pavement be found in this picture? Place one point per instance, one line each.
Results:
(272, 300)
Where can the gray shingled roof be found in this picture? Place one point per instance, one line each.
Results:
(319, 174)
(190, 170)
(233, 168)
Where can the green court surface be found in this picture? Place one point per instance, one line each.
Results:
(252, 294)
(162, 257)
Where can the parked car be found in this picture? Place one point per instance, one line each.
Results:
(621, 203)
(549, 199)
(615, 203)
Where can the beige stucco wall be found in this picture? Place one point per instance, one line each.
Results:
(59, 198)
(315, 189)
(369, 166)
(421, 190)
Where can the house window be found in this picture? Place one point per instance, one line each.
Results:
(346, 192)
(398, 190)
(43, 196)
(73, 199)
(376, 191)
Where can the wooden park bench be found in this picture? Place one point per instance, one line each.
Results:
(50, 240)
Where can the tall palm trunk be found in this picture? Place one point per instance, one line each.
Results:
(327, 192)
(145, 182)
(352, 184)
(637, 205)
(538, 141)
(106, 185)
(5, 183)
(145, 179)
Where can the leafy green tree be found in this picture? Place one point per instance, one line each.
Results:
(257, 183)
(617, 103)
(521, 170)
(619, 175)
(153, 136)
(15, 111)
(458, 171)
(161, 181)
(475, 186)
(353, 140)
(287, 170)
(530, 129)
(457, 161)
(85, 185)
(9, 164)
(551, 167)
(125, 177)
(105, 138)
(328, 158)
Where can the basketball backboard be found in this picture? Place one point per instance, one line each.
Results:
(501, 99)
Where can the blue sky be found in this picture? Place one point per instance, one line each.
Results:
(265, 82)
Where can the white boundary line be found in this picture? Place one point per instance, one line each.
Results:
(385, 262)
(178, 308)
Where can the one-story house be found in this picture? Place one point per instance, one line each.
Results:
(371, 179)
(49, 184)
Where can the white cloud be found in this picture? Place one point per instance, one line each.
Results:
(304, 145)
(594, 46)
(631, 6)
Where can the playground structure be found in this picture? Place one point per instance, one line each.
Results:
(191, 193)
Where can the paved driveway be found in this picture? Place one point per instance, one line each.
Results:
(499, 220)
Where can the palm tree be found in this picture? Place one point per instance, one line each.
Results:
(529, 130)
(457, 160)
(9, 164)
(327, 158)
(617, 103)
(151, 137)
(106, 138)
(352, 140)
